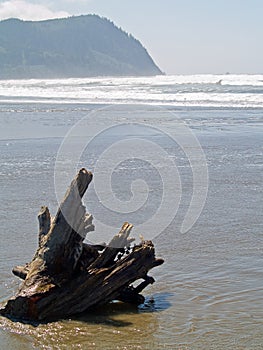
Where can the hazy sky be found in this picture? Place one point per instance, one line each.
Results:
(182, 36)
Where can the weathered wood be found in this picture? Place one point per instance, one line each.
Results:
(67, 276)
(44, 220)
(21, 271)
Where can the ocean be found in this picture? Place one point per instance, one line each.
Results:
(180, 157)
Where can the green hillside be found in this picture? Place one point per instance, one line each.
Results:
(70, 47)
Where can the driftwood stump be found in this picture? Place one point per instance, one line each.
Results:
(67, 276)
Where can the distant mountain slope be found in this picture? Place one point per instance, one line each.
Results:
(70, 47)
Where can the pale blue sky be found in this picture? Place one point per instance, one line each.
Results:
(183, 36)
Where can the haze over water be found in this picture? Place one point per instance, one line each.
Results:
(208, 294)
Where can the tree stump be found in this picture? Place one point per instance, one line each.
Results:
(67, 276)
